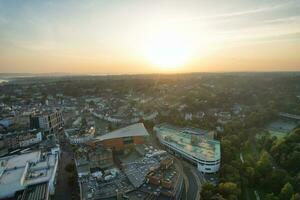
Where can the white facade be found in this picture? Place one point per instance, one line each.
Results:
(199, 156)
(202, 165)
(17, 172)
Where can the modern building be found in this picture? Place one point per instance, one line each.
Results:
(194, 145)
(123, 138)
(49, 122)
(21, 172)
(79, 136)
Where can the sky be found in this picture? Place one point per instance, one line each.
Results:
(137, 36)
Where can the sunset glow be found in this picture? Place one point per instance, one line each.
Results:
(113, 37)
(167, 51)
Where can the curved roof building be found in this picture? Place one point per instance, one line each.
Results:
(198, 148)
(124, 137)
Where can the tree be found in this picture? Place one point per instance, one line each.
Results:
(278, 176)
(296, 197)
(208, 190)
(286, 192)
(271, 196)
(264, 164)
(229, 190)
(230, 173)
(250, 174)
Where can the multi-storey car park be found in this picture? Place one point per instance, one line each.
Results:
(195, 145)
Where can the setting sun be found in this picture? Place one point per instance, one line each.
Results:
(167, 51)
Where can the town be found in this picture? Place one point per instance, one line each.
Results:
(187, 136)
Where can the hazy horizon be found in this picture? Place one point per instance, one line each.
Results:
(144, 37)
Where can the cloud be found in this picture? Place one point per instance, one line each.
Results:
(283, 20)
(260, 10)
(280, 37)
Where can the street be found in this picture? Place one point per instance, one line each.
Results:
(63, 189)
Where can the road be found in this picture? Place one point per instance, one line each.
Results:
(185, 179)
(191, 176)
(63, 189)
(194, 178)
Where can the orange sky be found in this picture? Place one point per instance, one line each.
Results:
(116, 37)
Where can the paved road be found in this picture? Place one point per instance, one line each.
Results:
(185, 179)
(194, 181)
(63, 190)
(193, 189)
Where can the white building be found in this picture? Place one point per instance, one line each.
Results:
(195, 146)
(18, 172)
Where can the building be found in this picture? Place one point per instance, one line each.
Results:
(39, 191)
(3, 148)
(123, 138)
(6, 123)
(143, 173)
(21, 139)
(100, 157)
(195, 146)
(21, 172)
(93, 158)
(78, 136)
(49, 122)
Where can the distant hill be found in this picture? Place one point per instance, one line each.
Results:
(19, 75)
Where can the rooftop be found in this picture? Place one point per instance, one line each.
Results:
(137, 129)
(197, 146)
(189, 130)
(19, 171)
(35, 192)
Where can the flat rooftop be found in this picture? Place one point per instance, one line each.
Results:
(195, 145)
(19, 171)
(137, 129)
(189, 130)
(35, 192)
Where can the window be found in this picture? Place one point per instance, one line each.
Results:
(128, 140)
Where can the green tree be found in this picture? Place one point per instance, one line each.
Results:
(271, 196)
(287, 191)
(295, 196)
(264, 164)
(229, 190)
(250, 174)
(208, 190)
